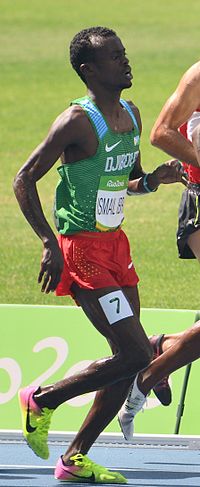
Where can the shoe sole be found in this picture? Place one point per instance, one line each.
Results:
(122, 430)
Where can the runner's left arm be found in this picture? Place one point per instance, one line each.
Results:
(169, 172)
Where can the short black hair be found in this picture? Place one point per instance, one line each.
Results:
(82, 49)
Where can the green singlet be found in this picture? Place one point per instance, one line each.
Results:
(90, 194)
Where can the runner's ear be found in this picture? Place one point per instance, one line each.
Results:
(86, 69)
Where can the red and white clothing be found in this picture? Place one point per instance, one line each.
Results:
(189, 209)
(96, 260)
(186, 130)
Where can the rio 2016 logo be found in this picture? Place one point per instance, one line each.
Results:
(60, 346)
(14, 372)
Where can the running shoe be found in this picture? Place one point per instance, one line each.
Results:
(35, 422)
(161, 389)
(133, 404)
(84, 470)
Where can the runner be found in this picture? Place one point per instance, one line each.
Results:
(97, 139)
(176, 131)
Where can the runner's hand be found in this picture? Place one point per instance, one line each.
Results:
(171, 171)
(51, 268)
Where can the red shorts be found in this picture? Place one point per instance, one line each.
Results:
(96, 260)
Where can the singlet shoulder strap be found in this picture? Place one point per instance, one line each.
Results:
(130, 111)
(94, 115)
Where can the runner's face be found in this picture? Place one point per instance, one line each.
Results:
(111, 67)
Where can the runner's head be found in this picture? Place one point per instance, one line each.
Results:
(98, 56)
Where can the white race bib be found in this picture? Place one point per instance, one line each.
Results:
(110, 202)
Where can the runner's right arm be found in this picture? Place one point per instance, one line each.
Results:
(69, 129)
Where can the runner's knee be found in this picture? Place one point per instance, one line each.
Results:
(192, 336)
(134, 362)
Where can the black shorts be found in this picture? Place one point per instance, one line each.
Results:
(188, 223)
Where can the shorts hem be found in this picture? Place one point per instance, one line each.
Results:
(96, 286)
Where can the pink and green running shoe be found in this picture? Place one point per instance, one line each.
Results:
(84, 470)
(35, 422)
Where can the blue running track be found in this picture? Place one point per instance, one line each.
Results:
(148, 461)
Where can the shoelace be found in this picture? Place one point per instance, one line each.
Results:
(83, 461)
(44, 420)
(134, 406)
(103, 472)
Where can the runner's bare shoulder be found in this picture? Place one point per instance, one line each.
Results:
(136, 112)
